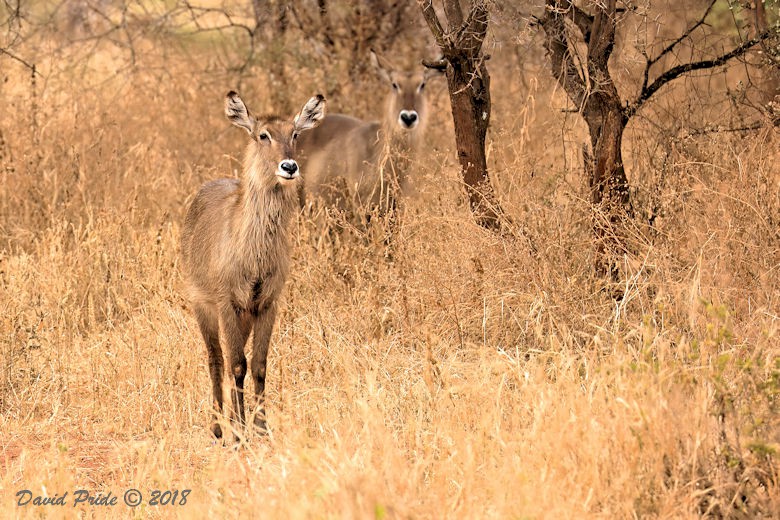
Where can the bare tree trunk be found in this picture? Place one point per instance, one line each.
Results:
(609, 190)
(271, 28)
(593, 92)
(280, 19)
(374, 24)
(260, 13)
(470, 100)
(601, 107)
(469, 86)
(771, 90)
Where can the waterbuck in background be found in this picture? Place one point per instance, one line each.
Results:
(236, 250)
(369, 159)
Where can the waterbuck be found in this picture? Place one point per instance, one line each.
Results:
(369, 158)
(236, 250)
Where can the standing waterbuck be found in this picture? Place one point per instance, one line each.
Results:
(236, 250)
(370, 159)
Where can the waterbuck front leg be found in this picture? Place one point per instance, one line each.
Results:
(235, 328)
(264, 324)
(209, 328)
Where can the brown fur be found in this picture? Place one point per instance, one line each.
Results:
(370, 157)
(236, 251)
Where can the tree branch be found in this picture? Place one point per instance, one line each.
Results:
(440, 65)
(758, 125)
(473, 30)
(429, 13)
(684, 35)
(671, 46)
(679, 70)
(20, 60)
(602, 38)
(453, 13)
(557, 45)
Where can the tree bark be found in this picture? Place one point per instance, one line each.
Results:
(771, 90)
(609, 189)
(470, 100)
(606, 115)
(599, 103)
(269, 35)
(468, 82)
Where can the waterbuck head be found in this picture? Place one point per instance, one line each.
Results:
(272, 151)
(406, 103)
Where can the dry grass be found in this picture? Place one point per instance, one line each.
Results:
(466, 378)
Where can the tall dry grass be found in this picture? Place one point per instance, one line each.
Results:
(469, 376)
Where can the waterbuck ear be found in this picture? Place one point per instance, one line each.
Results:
(311, 114)
(238, 113)
(382, 66)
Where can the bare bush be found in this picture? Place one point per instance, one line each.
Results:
(466, 378)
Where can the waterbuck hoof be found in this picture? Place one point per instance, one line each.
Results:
(216, 430)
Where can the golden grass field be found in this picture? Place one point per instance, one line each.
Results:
(466, 377)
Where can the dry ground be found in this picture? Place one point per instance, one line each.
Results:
(468, 377)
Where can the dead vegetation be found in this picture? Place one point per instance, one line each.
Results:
(472, 375)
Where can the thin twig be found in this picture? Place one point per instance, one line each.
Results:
(679, 70)
(671, 46)
(20, 60)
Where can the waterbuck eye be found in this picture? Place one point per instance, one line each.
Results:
(422, 86)
(295, 136)
(264, 136)
(395, 86)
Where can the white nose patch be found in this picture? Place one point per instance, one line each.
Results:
(288, 169)
(408, 118)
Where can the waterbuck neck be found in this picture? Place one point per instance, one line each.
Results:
(398, 140)
(266, 206)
